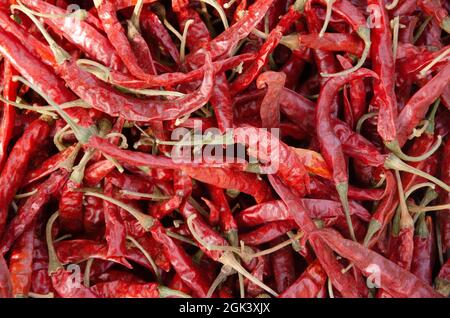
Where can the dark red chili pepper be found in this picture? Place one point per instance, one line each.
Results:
(153, 26)
(424, 250)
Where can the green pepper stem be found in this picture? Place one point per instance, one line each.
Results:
(393, 162)
(53, 262)
(364, 33)
(342, 190)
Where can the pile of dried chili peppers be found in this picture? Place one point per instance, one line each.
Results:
(214, 148)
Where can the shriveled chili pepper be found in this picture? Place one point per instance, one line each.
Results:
(307, 285)
(329, 143)
(80, 33)
(8, 113)
(20, 263)
(422, 261)
(390, 273)
(15, 167)
(32, 207)
(5, 280)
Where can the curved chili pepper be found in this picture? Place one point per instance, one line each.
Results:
(270, 108)
(330, 145)
(17, 163)
(103, 98)
(274, 37)
(152, 25)
(418, 104)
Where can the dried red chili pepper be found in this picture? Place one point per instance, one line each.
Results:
(307, 285)
(15, 167)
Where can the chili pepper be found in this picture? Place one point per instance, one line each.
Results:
(390, 273)
(329, 143)
(115, 232)
(5, 280)
(270, 108)
(267, 232)
(268, 147)
(103, 98)
(327, 42)
(121, 289)
(20, 263)
(276, 210)
(283, 267)
(8, 116)
(29, 211)
(357, 96)
(223, 44)
(274, 37)
(418, 104)
(227, 222)
(422, 261)
(14, 168)
(80, 33)
(307, 285)
(383, 64)
(220, 97)
(332, 267)
(33, 69)
(181, 262)
(60, 277)
(50, 165)
(152, 25)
